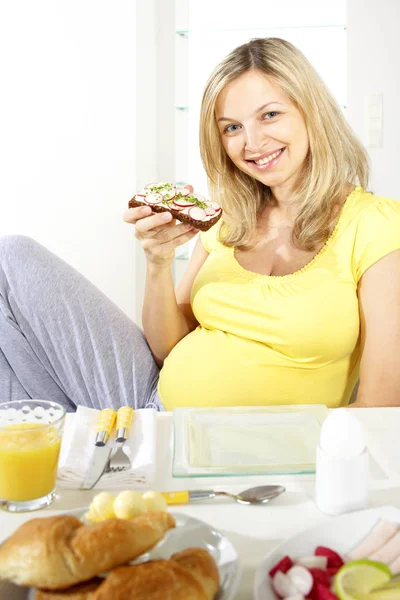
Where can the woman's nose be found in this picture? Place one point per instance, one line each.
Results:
(253, 140)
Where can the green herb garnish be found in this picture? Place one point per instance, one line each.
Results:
(168, 188)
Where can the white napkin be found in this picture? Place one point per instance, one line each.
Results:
(78, 445)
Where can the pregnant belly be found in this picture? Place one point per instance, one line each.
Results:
(198, 371)
(212, 368)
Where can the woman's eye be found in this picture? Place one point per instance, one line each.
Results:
(270, 115)
(231, 128)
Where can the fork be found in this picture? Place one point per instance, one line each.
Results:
(119, 460)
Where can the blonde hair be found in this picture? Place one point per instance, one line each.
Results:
(335, 156)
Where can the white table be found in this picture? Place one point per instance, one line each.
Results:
(255, 530)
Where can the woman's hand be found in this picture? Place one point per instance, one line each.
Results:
(158, 234)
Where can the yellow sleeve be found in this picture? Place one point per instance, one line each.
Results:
(378, 234)
(209, 238)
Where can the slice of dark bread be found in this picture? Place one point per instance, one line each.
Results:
(180, 202)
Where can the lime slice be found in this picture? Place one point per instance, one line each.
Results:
(355, 580)
(390, 591)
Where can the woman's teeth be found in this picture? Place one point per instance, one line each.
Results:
(267, 159)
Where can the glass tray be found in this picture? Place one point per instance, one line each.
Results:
(276, 440)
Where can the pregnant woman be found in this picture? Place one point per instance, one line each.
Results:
(293, 296)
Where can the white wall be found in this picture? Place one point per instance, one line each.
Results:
(155, 125)
(374, 68)
(67, 141)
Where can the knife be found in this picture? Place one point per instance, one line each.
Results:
(101, 452)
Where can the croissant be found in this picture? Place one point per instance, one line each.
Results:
(77, 592)
(189, 575)
(59, 552)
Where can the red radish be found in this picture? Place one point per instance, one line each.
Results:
(140, 197)
(210, 211)
(182, 202)
(184, 191)
(324, 593)
(199, 197)
(321, 579)
(283, 585)
(320, 576)
(153, 198)
(313, 562)
(149, 185)
(175, 206)
(334, 560)
(169, 193)
(216, 206)
(196, 213)
(283, 565)
(301, 578)
(332, 571)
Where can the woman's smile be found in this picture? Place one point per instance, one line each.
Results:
(267, 160)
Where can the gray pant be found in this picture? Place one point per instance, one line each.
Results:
(62, 339)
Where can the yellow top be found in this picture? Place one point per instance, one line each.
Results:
(292, 339)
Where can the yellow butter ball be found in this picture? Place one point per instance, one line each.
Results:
(92, 516)
(129, 504)
(154, 501)
(103, 505)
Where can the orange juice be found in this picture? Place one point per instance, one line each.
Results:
(28, 461)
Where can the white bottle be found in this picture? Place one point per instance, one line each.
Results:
(341, 483)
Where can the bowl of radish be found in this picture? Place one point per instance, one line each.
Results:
(316, 563)
(307, 576)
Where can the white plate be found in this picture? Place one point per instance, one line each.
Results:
(187, 533)
(341, 534)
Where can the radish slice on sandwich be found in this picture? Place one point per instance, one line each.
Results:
(199, 197)
(183, 191)
(154, 198)
(140, 197)
(169, 194)
(196, 213)
(210, 211)
(183, 203)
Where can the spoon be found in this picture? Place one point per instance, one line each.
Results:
(256, 495)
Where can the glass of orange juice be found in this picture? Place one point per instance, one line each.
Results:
(30, 441)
